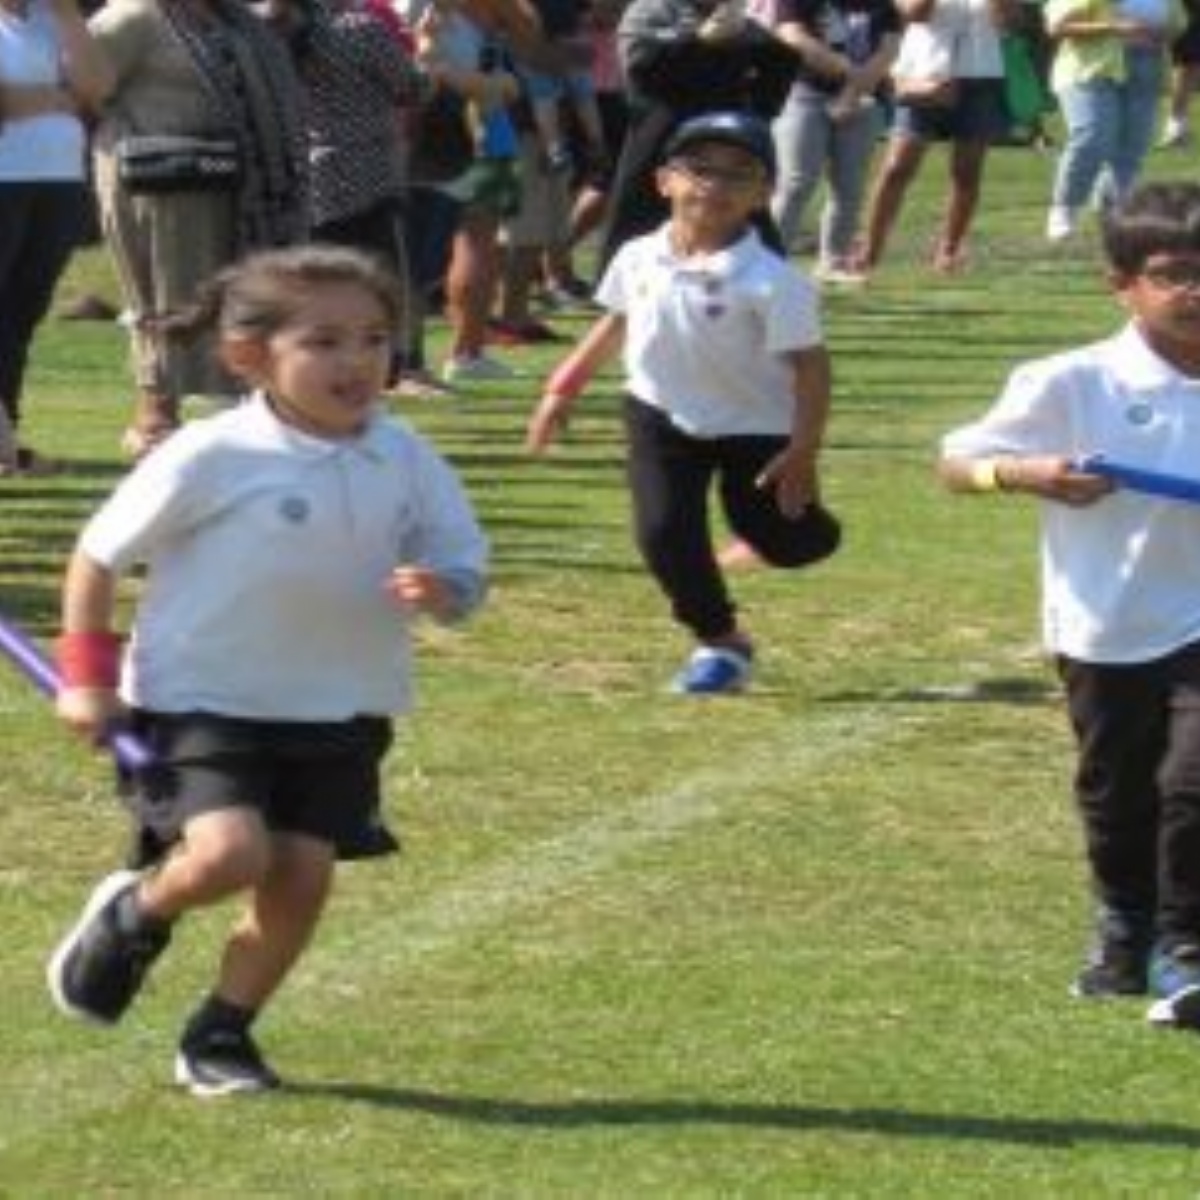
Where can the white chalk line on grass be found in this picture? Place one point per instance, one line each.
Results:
(490, 896)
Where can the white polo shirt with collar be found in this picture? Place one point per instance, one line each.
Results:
(1121, 577)
(267, 554)
(706, 335)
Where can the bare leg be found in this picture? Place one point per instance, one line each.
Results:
(521, 266)
(966, 179)
(279, 921)
(222, 853)
(155, 418)
(900, 167)
(288, 877)
(471, 282)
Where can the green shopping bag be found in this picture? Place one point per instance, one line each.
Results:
(1024, 95)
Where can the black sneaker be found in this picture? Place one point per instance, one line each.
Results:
(1111, 972)
(222, 1062)
(98, 968)
(1118, 963)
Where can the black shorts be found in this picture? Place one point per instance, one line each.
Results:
(978, 115)
(321, 779)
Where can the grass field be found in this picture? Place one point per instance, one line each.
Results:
(811, 942)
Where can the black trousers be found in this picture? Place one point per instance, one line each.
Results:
(670, 477)
(41, 224)
(1137, 785)
(380, 231)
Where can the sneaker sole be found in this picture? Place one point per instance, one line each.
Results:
(209, 1091)
(1180, 1011)
(102, 895)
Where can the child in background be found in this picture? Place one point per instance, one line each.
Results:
(290, 542)
(562, 21)
(1121, 591)
(728, 380)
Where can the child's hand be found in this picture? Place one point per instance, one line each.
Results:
(793, 475)
(1052, 478)
(547, 423)
(420, 590)
(90, 711)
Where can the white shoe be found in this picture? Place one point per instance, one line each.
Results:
(1175, 135)
(1060, 223)
(838, 274)
(475, 367)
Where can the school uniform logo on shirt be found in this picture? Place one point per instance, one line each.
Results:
(1139, 413)
(294, 510)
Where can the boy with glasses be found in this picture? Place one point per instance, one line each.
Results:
(1121, 590)
(727, 381)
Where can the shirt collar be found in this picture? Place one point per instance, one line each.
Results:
(370, 444)
(1135, 364)
(723, 263)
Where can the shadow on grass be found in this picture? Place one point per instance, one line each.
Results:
(577, 1114)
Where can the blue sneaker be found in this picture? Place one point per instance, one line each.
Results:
(714, 671)
(1175, 979)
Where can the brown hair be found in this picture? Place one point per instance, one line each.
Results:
(256, 296)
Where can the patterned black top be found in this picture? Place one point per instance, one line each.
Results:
(360, 78)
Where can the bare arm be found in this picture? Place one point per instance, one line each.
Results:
(549, 418)
(1051, 477)
(86, 69)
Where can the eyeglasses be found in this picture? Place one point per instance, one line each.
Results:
(1176, 275)
(710, 173)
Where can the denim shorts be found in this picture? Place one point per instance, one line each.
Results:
(978, 115)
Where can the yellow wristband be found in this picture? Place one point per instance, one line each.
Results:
(983, 475)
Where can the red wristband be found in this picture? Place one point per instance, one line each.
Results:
(89, 659)
(567, 380)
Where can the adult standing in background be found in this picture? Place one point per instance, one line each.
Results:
(683, 58)
(970, 122)
(51, 74)
(831, 119)
(1109, 72)
(207, 69)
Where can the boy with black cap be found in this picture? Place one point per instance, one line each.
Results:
(727, 380)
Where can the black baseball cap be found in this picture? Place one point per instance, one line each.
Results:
(741, 129)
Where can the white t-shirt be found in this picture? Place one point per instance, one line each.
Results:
(1121, 577)
(268, 551)
(46, 147)
(706, 336)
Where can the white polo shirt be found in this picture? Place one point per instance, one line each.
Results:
(267, 553)
(705, 336)
(1120, 578)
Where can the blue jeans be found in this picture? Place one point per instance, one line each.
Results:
(809, 144)
(1109, 125)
